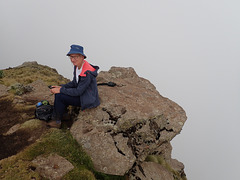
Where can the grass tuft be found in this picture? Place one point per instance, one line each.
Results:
(1, 74)
(31, 124)
(160, 160)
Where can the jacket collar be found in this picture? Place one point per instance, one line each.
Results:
(86, 67)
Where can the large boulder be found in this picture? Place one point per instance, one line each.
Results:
(40, 91)
(132, 122)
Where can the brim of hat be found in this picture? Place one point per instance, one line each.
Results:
(76, 52)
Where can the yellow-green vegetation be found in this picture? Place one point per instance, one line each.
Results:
(1, 74)
(57, 141)
(19, 89)
(31, 124)
(160, 160)
(28, 74)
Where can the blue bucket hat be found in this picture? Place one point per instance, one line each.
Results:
(76, 49)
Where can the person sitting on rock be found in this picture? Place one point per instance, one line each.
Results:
(81, 91)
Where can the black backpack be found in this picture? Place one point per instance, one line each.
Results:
(43, 111)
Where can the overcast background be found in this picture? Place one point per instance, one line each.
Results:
(188, 49)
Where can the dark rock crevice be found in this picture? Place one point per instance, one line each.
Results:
(113, 119)
(118, 149)
(154, 128)
(165, 129)
(141, 169)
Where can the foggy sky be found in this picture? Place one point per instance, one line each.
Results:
(188, 49)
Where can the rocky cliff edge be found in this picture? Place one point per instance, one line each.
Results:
(132, 122)
(127, 137)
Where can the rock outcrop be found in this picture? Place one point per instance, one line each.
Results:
(128, 135)
(132, 122)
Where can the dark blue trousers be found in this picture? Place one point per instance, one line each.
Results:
(61, 102)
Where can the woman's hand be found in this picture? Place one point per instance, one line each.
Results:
(55, 89)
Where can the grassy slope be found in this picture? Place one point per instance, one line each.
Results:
(28, 74)
(54, 141)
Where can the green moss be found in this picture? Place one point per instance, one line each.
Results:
(62, 143)
(1, 74)
(17, 170)
(160, 160)
(85, 174)
(152, 158)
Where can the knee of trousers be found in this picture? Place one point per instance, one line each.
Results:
(58, 97)
(61, 98)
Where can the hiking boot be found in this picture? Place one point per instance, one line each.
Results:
(54, 124)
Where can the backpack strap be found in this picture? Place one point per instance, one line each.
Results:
(111, 84)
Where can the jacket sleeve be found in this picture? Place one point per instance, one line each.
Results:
(79, 90)
(70, 84)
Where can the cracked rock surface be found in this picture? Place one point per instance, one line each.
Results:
(132, 122)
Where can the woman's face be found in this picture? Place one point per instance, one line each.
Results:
(77, 59)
